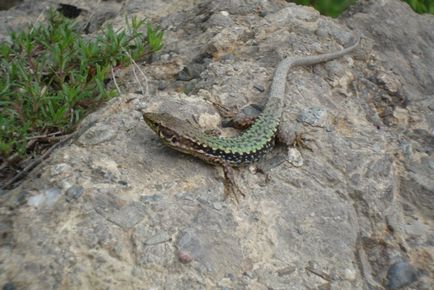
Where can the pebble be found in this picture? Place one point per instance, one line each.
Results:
(190, 72)
(350, 275)
(150, 198)
(294, 157)
(400, 274)
(162, 85)
(74, 192)
(165, 57)
(217, 205)
(259, 88)
(248, 274)
(9, 286)
(22, 197)
(185, 257)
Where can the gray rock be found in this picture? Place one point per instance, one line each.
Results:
(99, 134)
(9, 286)
(141, 215)
(190, 72)
(400, 274)
(45, 198)
(74, 192)
(314, 116)
(220, 19)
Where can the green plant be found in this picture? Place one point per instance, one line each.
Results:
(331, 8)
(334, 8)
(51, 76)
(422, 6)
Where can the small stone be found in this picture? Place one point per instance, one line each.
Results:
(190, 72)
(286, 271)
(74, 192)
(165, 57)
(400, 274)
(259, 88)
(248, 274)
(150, 198)
(217, 205)
(263, 13)
(294, 157)
(22, 197)
(9, 286)
(350, 275)
(185, 257)
(221, 19)
(162, 85)
(253, 168)
(123, 182)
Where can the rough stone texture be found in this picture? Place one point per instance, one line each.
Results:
(118, 210)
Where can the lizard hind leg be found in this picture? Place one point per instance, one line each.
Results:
(241, 119)
(231, 187)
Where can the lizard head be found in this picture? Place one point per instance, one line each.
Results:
(174, 132)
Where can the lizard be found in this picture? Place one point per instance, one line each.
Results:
(251, 144)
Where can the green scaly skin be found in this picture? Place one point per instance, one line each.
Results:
(253, 143)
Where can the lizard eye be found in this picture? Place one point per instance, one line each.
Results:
(167, 134)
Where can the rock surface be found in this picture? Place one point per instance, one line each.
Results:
(118, 210)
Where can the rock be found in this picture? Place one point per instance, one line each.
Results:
(9, 286)
(185, 257)
(294, 157)
(314, 117)
(74, 192)
(45, 198)
(117, 208)
(97, 135)
(220, 19)
(400, 274)
(190, 72)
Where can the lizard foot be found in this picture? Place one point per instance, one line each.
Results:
(300, 142)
